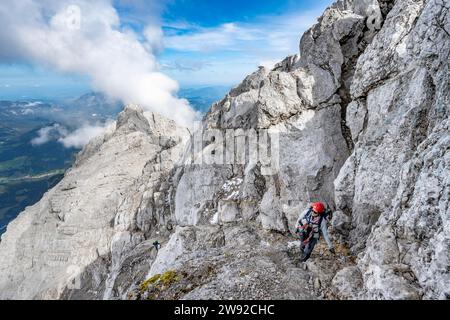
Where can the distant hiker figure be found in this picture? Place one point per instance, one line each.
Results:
(310, 224)
(157, 245)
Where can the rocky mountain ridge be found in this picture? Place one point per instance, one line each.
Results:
(360, 120)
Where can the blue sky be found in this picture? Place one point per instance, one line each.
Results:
(20, 81)
(204, 43)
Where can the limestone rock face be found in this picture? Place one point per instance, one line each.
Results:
(359, 119)
(301, 106)
(374, 76)
(300, 103)
(394, 187)
(55, 244)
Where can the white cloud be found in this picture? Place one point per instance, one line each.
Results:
(231, 51)
(32, 104)
(75, 139)
(154, 37)
(28, 112)
(93, 44)
(277, 34)
(43, 136)
(183, 65)
(80, 137)
(209, 39)
(48, 134)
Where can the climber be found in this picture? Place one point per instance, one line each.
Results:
(157, 245)
(310, 224)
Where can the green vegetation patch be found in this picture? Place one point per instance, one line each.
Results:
(152, 281)
(160, 282)
(173, 285)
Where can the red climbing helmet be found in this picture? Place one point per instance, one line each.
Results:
(318, 207)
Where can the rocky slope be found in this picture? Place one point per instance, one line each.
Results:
(360, 119)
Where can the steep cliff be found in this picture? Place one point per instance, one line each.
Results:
(52, 245)
(394, 188)
(359, 119)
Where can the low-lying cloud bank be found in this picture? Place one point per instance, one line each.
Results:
(48, 134)
(70, 139)
(86, 37)
(80, 137)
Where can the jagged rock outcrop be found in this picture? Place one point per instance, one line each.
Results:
(358, 119)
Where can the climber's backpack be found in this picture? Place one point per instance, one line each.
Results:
(312, 226)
